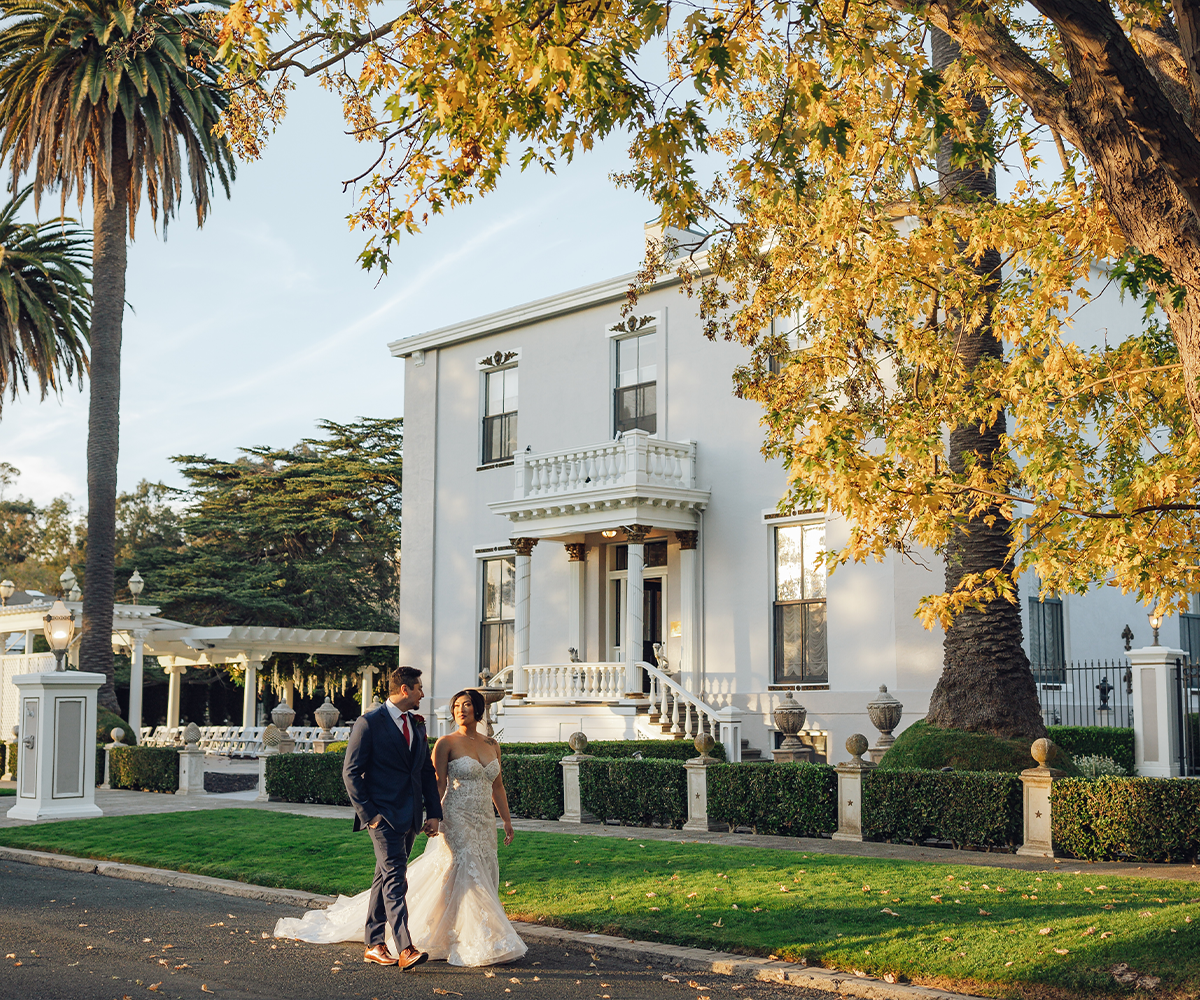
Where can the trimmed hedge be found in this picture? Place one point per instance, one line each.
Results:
(534, 785)
(1140, 819)
(10, 759)
(99, 764)
(788, 800)
(4, 758)
(634, 792)
(145, 769)
(649, 749)
(967, 808)
(1096, 741)
(307, 777)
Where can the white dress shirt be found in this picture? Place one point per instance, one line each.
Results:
(397, 715)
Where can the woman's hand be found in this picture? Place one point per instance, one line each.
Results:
(508, 834)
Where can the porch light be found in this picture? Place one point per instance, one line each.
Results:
(609, 533)
(7, 589)
(59, 628)
(67, 580)
(1155, 619)
(136, 583)
(76, 594)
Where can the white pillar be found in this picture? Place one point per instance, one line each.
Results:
(850, 789)
(729, 722)
(366, 686)
(289, 692)
(689, 615)
(1155, 710)
(524, 550)
(250, 694)
(576, 595)
(174, 672)
(136, 683)
(635, 535)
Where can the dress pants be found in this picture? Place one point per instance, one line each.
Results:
(387, 904)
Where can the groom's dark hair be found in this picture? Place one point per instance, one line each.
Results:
(402, 677)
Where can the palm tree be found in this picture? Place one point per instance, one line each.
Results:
(45, 303)
(121, 95)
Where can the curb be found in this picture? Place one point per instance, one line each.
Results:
(676, 956)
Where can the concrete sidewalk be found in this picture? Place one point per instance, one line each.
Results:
(125, 803)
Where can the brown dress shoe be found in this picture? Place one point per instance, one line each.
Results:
(379, 954)
(410, 958)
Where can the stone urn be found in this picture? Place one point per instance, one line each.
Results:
(327, 717)
(282, 715)
(191, 736)
(884, 712)
(789, 720)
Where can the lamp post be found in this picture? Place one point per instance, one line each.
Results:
(7, 589)
(67, 580)
(1155, 619)
(59, 628)
(136, 583)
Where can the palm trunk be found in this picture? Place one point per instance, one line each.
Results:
(986, 684)
(110, 225)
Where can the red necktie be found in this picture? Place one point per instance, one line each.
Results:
(404, 728)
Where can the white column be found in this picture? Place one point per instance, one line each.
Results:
(174, 672)
(576, 606)
(136, 683)
(635, 535)
(524, 550)
(689, 615)
(1155, 710)
(365, 687)
(250, 694)
(289, 692)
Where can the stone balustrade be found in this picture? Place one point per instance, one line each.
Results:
(635, 460)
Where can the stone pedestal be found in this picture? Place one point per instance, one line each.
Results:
(1155, 710)
(573, 811)
(697, 785)
(729, 723)
(789, 717)
(1036, 785)
(56, 762)
(191, 772)
(850, 789)
(118, 736)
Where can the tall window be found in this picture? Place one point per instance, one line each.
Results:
(636, 393)
(1189, 629)
(499, 612)
(500, 415)
(801, 654)
(1047, 652)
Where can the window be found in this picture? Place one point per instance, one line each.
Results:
(1047, 655)
(654, 553)
(1189, 630)
(499, 612)
(636, 393)
(801, 655)
(499, 415)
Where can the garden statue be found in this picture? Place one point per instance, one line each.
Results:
(789, 720)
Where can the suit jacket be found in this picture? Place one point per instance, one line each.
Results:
(385, 779)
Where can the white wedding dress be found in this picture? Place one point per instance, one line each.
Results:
(454, 910)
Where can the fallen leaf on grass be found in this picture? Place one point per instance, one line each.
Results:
(985, 913)
(691, 895)
(718, 923)
(889, 977)
(1062, 951)
(1044, 930)
(1008, 963)
(651, 895)
(889, 912)
(1106, 934)
(1145, 913)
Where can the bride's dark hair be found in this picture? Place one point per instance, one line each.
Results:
(477, 703)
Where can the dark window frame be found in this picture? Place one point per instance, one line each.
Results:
(643, 418)
(499, 429)
(1047, 641)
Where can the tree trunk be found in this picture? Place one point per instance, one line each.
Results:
(110, 224)
(986, 684)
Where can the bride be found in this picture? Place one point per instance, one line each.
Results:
(454, 910)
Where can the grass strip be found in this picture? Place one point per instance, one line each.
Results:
(987, 930)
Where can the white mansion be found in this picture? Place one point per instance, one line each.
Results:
(577, 492)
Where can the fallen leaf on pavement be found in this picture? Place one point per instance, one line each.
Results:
(205, 989)
(11, 955)
(448, 993)
(670, 979)
(860, 973)
(693, 984)
(889, 977)
(490, 975)
(153, 987)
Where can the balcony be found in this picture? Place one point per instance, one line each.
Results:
(637, 479)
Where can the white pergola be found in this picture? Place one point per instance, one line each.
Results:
(140, 630)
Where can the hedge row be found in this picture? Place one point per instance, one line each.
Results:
(1139, 819)
(144, 769)
(99, 764)
(307, 777)
(634, 792)
(649, 749)
(1096, 741)
(534, 785)
(967, 808)
(8, 759)
(789, 800)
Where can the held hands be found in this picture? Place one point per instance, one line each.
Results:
(508, 834)
(430, 827)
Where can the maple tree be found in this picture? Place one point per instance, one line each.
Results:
(829, 246)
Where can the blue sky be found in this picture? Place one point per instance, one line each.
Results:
(250, 330)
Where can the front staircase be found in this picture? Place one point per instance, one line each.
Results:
(657, 728)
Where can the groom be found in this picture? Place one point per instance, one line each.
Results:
(389, 777)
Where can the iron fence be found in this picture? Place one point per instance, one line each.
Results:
(1091, 693)
(1187, 690)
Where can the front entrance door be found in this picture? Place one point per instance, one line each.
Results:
(652, 616)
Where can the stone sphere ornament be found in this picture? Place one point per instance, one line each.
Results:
(789, 720)
(191, 735)
(856, 746)
(283, 715)
(1043, 751)
(704, 744)
(117, 734)
(578, 742)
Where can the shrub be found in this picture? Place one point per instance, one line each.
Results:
(790, 800)
(649, 749)
(99, 764)
(307, 777)
(338, 746)
(1099, 767)
(1096, 741)
(107, 721)
(931, 748)
(534, 785)
(967, 808)
(3, 757)
(10, 758)
(145, 769)
(634, 792)
(1139, 819)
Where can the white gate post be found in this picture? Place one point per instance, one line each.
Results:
(1155, 710)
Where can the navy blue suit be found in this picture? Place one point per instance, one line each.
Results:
(392, 787)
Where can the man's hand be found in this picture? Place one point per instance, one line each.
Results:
(431, 827)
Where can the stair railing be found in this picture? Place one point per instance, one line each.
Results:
(688, 714)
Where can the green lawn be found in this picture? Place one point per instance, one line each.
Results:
(988, 930)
